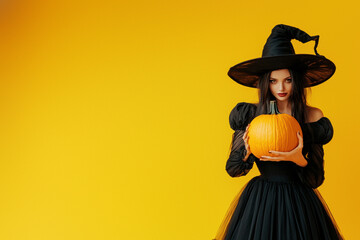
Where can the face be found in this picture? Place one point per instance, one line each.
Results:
(280, 82)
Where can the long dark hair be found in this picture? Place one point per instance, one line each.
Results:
(297, 97)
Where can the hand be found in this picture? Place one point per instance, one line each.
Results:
(246, 141)
(295, 155)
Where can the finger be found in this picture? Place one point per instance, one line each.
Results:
(262, 159)
(246, 133)
(268, 158)
(276, 152)
(273, 157)
(300, 145)
(299, 135)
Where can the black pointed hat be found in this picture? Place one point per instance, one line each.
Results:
(279, 53)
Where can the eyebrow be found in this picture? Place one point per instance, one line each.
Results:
(284, 78)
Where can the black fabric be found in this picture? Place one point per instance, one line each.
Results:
(323, 134)
(316, 134)
(279, 53)
(281, 203)
(278, 43)
(241, 115)
(235, 166)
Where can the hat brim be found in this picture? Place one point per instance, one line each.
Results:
(316, 68)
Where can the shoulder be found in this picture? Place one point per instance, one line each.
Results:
(241, 115)
(314, 114)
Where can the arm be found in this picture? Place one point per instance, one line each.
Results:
(295, 155)
(313, 173)
(239, 162)
(321, 133)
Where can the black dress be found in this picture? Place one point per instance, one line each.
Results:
(282, 203)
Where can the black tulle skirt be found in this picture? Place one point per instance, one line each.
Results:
(278, 210)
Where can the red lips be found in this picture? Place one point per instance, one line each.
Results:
(282, 94)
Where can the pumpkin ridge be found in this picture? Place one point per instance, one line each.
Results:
(295, 127)
(278, 134)
(289, 129)
(295, 131)
(273, 132)
(282, 129)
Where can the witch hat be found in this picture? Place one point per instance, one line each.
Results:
(279, 53)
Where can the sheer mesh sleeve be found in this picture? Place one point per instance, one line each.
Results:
(240, 116)
(235, 165)
(313, 173)
(319, 133)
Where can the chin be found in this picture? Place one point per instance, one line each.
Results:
(282, 100)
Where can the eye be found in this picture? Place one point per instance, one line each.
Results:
(271, 81)
(289, 79)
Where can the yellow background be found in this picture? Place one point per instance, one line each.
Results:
(114, 114)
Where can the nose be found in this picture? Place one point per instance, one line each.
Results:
(281, 87)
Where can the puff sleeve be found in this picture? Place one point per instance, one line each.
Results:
(240, 116)
(326, 131)
(321, 133)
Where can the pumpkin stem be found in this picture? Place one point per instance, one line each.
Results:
(273, 107)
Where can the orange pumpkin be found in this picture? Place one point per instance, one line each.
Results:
(273, 131)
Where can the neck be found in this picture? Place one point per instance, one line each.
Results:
(284, 107)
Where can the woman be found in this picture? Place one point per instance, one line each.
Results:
(282, 202)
